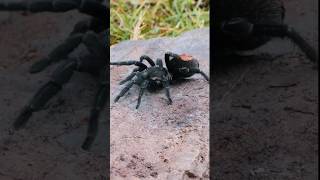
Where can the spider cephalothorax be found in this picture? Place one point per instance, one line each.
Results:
(93, 33)
(156, 76)
(242, 25)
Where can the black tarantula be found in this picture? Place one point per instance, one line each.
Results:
(156, 76)
(242, 25)
(93, 33)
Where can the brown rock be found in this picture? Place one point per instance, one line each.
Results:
(162, 141)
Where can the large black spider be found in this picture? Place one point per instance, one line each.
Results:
(242, 25)
(93, 33)
(156, 76)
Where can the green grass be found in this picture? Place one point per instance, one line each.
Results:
(144, 19)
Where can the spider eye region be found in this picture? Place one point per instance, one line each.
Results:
(156, 78)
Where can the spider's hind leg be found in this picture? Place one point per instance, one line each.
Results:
(99, 103)
(198, 71)
(61, 76)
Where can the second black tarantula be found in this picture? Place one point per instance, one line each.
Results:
(156, 76)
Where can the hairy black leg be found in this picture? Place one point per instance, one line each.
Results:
(73, 41)
(159, 62)
(61, 76)
(310, 52)
(98, 105)
(198, 71)
(94, 24)
(60, 52)
(147, 58)
(167, 89)
(124, 90)
(128, 78)
(142, 89)
(95, 44)
(289, 32)
(94, 8)
(128, 63)
(139, 69)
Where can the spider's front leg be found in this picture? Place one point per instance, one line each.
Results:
(61, 76)
(124, 90)
(139, 80)
(140, 68)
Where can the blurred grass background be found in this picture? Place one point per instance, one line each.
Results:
(144, 19)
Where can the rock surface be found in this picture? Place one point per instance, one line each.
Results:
(160, 141)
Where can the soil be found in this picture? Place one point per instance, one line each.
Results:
(49, 146)
(264, 109)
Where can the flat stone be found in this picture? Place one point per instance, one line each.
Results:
(160, 141)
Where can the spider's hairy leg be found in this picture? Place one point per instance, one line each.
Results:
(124, 90)
(159, 62)
(128, 63)
(167, 89)
(99, 103)
(198, 71)
(147, 58)
(142, 89)
(61, 76)
(60, 52)
(94, 44)
(289, 32)
(130, 76)
(72, 42)
(310, 52)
